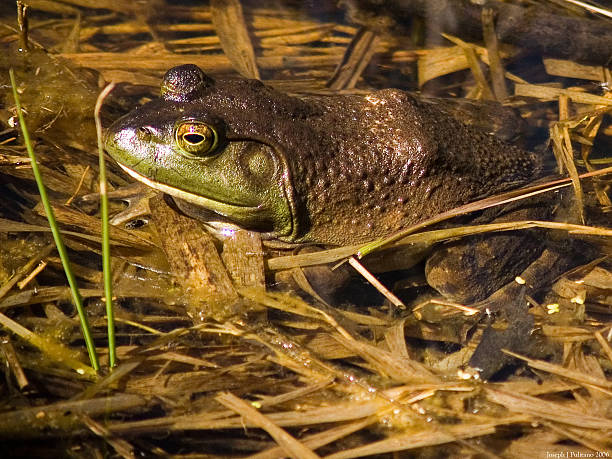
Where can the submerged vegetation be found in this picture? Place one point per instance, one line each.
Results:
(243, 347)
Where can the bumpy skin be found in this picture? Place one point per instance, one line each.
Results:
(327, 169)
(394, 161)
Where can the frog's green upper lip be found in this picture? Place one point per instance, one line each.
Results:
(220, 207)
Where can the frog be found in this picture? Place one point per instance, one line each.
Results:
(332, 170)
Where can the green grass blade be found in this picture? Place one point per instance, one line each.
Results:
(106, 255)
(61, 249)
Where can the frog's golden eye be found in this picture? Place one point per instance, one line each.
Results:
(196, 138)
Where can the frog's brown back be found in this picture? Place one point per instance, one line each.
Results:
(389, 160)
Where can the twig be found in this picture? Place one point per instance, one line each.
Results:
(292, 447)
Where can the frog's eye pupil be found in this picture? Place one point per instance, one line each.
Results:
(193, 139)
(196, 138)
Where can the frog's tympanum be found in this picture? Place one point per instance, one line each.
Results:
(337, 170)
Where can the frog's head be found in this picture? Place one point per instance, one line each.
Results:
(182, 145)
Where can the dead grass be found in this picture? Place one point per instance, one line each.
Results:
(253, 371)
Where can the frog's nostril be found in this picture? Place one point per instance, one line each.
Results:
(143, 133)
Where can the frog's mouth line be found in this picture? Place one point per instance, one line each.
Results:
(220, 207)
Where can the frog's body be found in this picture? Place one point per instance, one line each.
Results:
(342, 169)
(326, 169)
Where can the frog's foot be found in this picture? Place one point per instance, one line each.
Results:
(517, 336)
(136, 195)
(511, 303)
